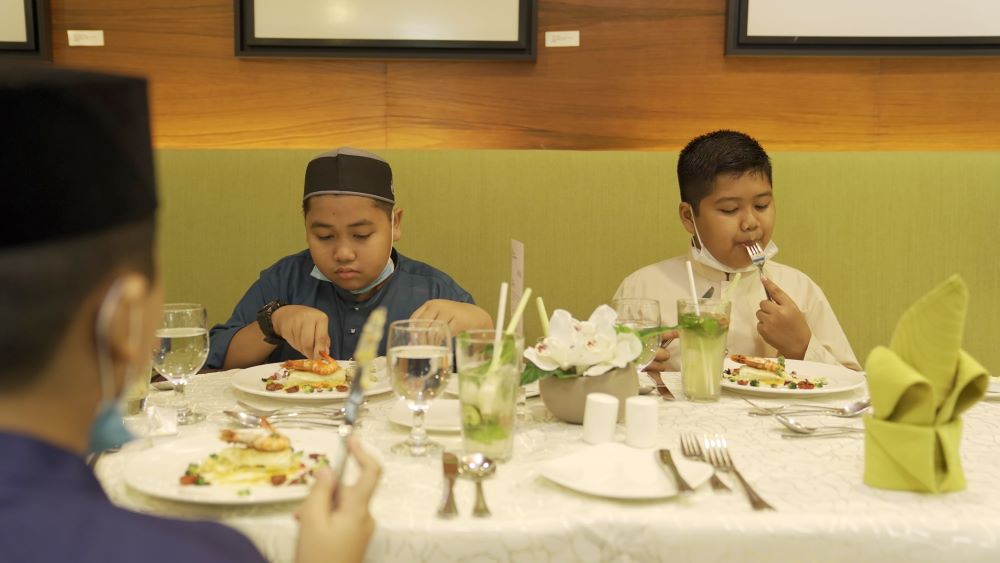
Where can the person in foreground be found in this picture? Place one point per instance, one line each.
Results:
(316, 301)
(81, 302)
(727, 204)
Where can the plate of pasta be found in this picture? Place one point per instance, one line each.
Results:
(236, 466)
(308, 380)
(778, 376)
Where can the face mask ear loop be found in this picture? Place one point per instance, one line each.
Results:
(698, 242)
(104, 364)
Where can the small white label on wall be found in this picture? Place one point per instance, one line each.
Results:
(85, 37)
(562, 38)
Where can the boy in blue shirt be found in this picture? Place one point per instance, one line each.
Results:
(82, 299)
(317, 300)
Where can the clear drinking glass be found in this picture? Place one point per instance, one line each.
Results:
(487, 391)
(703, 332)
(182, 351)
(419, 355)
(639, 313)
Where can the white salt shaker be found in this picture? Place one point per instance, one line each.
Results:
(600, 416)
(641, 422)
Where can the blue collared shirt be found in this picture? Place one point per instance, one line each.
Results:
(410, 286)
(52, 508)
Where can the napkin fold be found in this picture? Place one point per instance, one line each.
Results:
(919, 386)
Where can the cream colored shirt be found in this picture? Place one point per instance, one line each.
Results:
(667, 281)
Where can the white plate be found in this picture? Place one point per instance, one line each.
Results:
(993, 391)
(157, 471)
(614, 470)
(838, 379)
(251, 380)
(530, 390)
(443, 415)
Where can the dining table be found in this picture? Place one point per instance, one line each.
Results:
(823, 511)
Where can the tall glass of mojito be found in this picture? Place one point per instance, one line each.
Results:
(703, 331)
(488, 379)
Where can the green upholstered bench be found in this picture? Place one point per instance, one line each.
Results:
(875, 230)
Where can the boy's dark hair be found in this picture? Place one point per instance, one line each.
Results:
(45, 284)
(715, 153)
(383, 205)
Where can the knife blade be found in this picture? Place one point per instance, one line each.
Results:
(661, 388)
(667, 462)
(364, 357)
(449, 466)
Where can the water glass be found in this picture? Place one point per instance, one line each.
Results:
(487, 391)
(419, 356)
(703, 331)
(182, 351)
(638, 314)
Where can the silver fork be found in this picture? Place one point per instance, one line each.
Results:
(757, 257)
(717, 453)
(691, 448)
(333, 411)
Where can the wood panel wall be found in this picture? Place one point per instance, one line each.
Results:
(650, 74)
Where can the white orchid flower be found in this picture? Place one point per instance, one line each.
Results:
(592, 347)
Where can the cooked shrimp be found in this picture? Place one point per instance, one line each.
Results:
(759, 363)
(270, 442)
(324, 366)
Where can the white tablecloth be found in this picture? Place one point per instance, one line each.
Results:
(824, 511)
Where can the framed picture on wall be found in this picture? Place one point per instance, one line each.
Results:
(446, 29)
(863, 27)
(24, 29)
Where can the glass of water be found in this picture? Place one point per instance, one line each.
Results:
(419, 355)
(639, 313)
(182, 351)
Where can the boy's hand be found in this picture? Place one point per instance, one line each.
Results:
(459, 316)
(306, 329)
(342, 527)
(659, 362)
(781, 324)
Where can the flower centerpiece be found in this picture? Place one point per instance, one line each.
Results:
(577, 357)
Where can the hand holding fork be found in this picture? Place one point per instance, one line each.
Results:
(758, 258)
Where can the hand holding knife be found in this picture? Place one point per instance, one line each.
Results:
(364, 357)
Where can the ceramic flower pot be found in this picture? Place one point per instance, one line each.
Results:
(566, 398)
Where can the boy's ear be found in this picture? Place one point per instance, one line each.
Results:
(686, 213)
(397, 219)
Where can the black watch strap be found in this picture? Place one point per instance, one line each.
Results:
(264, 320)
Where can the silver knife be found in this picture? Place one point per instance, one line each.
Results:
(364, 358)
(666, 461)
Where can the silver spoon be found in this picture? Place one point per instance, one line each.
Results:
(799, 428)
(477, 467)
(849, 410)
(253, 421)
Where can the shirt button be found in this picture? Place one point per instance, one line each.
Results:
(353, 330)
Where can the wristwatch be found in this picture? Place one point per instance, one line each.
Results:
(264, 320)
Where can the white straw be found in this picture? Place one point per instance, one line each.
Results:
(694, 292)
(516, 318)
(501, 310)
(542, 316)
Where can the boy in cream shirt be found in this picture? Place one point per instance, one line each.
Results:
(727, 203)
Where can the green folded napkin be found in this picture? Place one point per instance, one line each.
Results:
(918, 386)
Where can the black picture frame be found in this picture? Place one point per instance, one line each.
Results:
(37, 44)
(524, 49)
(740, 43)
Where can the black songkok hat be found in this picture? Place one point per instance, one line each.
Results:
(348, 171)
(75, 154)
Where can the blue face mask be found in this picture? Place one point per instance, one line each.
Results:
(387, 271)
(108, 429)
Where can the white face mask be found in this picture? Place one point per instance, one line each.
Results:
(387, 271)
(701, 254)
